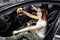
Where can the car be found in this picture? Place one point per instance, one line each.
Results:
(9, 21)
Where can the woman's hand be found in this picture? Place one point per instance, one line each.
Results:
(32, 5)
(15, 32)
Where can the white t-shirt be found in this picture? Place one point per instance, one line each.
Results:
(41, 32)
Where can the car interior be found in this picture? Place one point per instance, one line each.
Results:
(9, 21)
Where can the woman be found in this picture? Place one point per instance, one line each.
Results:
(40, 26)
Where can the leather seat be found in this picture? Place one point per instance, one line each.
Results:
(52, 26)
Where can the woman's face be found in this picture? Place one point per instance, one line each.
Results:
(39, 13)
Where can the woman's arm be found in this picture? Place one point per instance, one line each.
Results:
(29, 28)
(19, 10)
(30, 15)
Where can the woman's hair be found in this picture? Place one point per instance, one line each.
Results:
(43, 14)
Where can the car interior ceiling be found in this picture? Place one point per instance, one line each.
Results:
(53, 16)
